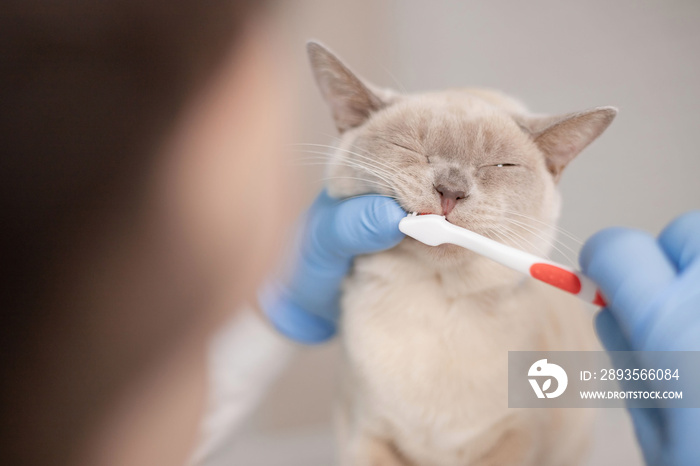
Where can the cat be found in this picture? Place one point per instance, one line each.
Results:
(426, 330)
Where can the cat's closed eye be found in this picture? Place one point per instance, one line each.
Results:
(404, 147)
(401, 146)
(488, 170)
(500, 165)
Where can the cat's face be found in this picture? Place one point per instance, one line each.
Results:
(474, 156)
(447, 154)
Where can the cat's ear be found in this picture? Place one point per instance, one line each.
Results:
(562, 137)
(351, 100)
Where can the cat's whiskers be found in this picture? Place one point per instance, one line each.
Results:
(522, 234)
(379, 173)
(550, 238)
(332, 159)
(534, 248)
(368, 157)
(510, 237)
(378, 183)
(368, 154)
(391, 198)
(547, 224)
(392, 189)
(396, 169)
(513, 238)
(493, 226)
(501, 237)
(551, 232)
(384, 180)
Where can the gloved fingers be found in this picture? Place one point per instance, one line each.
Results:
(359, 225)
(681, 240)
(631, 270)
(305, 307)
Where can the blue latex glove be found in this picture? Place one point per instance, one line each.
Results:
(305, 305)
(653, 292)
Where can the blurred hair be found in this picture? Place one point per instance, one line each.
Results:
(88, 89)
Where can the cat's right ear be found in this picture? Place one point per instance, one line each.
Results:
(351, 100)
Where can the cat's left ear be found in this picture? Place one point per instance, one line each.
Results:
(561, 138)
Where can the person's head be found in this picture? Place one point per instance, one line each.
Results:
(130, 131)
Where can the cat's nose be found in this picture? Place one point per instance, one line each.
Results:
(449, 198)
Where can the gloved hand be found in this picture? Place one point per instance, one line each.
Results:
(653, 292)
(304, 305)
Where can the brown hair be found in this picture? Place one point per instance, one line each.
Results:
(87, 91)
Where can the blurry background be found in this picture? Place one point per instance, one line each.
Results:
(556, 56)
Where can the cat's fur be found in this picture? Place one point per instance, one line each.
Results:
(426, 330)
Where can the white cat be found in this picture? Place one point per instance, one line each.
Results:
(427, 330)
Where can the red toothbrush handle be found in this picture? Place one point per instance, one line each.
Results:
(568, 280)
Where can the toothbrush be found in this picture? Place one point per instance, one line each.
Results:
(435, 230)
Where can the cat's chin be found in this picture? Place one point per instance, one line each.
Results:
(443, 255)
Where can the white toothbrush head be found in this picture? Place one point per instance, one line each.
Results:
(429, 229)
